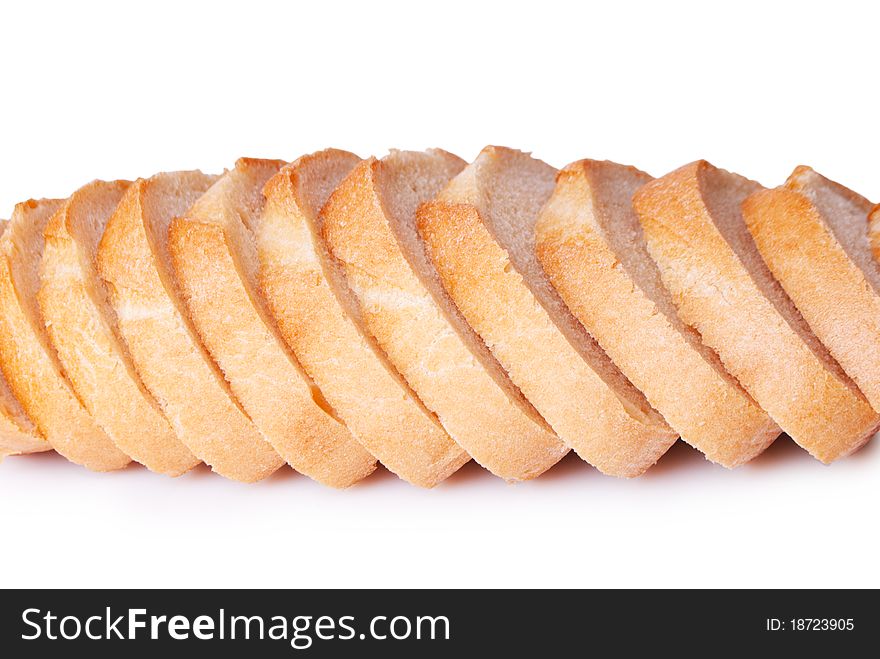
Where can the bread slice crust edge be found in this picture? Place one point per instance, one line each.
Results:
(214, 257)
(174, 366)
(835, 291)
(614, 430)
(81, 326)
(27, 358)
(621, 301)
(722, 287)
(319, 319)
(411, 318)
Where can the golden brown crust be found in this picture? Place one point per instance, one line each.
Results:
(629, 314)
(317, 318)
(610, 425)
(174, 366)
(828, 281)
(18, 434)
(214, 256)
(82, 329)
(27, 359)
(462, 384)
(239, 327)
(874, 231)
(721, 287)
(15, 437)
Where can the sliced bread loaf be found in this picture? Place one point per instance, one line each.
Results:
(18, 434)
(82, 327)
(27, 357)
(370, 228)
(215, 260)
(813, 235)
(319, 318)
(134, 261)
(721, 286)
(480, 234)
(590, 243)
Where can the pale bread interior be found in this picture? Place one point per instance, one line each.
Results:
(318, 179)
(22, 245)
(234, 203)
(87, 216)
(11, 407)
(513, 187)
(313, 199)
(407, 179)
(723, 193)
(90, 209)
(845, 213)
(166, 196)
(613, 187)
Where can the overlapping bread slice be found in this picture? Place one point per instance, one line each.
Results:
(18, 434)
(370, 228)
(591, 245)
(480, 234)
(134, 261)
(319, 318)
(82, 328)
(214, 255)
(696, 233)
(813, 235)
(27, 357)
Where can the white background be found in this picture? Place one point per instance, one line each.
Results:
(122, 90)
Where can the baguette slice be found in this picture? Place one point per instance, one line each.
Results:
(82, 328)
(215, 260)
(134, 261)
(697, 235)
(591, 245)
(318, 317)
(813, 235)
(18, 434)
(369, 226)
(27, 358)
(480, 234)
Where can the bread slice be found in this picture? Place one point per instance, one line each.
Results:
(591, 245)
(82, 328)
(480, 234)
(18, 434)
(813, 235)
(134, 261)
(696, 233)
(27, 358)
(215, 260)
(369, 226)
(319, 318)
